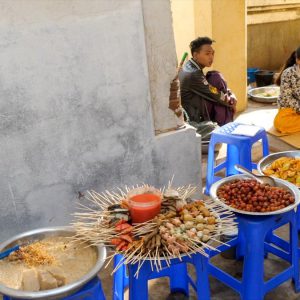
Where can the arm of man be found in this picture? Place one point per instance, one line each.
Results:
(200, 86)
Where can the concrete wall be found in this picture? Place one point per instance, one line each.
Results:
(183, 15)
(76, 110)
(225, 22)
(273, 32)
(161, 58)
(274, 42)
(230, 32)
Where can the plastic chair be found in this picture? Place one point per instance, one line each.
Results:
(90, 291)
(120, 279)
(177, 273)
(238, 151)
(255, 238)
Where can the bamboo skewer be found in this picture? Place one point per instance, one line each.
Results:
(92, 225)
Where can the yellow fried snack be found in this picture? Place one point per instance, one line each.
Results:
(287, 168)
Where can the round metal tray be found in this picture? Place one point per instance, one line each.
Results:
(279, 182)
(57, 293)
(267, 160)
(254, 94)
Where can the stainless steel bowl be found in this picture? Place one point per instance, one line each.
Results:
(57, 293)
(255, 94)
(279, 182)
(267, 160)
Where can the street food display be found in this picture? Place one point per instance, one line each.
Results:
(287, 168)
(47, 264)
(252, 196)
(160, 224)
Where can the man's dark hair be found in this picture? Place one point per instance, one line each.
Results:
(196, 44)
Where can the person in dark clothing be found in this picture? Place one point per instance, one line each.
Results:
(205, 98)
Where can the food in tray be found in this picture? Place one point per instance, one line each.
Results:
(287, 168)
(47, 264)
(250, 195)
(180, 227)
(193, 224)
(268, 93)
(172, 230)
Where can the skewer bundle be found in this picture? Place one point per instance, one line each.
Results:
(182, 227)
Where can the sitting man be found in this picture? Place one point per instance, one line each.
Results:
(205, 98)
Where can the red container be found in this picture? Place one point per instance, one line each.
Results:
(144, 207)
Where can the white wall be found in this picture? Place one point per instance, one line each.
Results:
(76, 110)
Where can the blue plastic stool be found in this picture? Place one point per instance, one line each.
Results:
(177, 273)
(255, 239)
(90, 291)
(238, 151)
(120, 279)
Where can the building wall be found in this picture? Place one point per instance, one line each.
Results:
(76, 109)
(161, 59)
(229, 30)
(225, 22)
(276, 44)
(183, 15)
(273, 32)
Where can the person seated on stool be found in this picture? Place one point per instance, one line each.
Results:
(205, 98)
(287, 119)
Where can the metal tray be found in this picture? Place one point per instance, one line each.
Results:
(267, 160)
(279, 182)
(254, 94)
(57, 293)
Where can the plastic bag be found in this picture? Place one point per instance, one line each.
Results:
(204, 128)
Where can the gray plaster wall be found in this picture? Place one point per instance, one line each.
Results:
(76, 108)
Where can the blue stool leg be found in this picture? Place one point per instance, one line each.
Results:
(253, 270)
(120, 280)
(202, 281)
(233, 157)
(210, 173)
(265, 145)
(298, 219)
(138, 287)
(294, 252)
(178, 278)
(246, 156)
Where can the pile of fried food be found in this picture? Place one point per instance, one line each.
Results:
(181, 228)
(287, 168)
(33, 278)
(33, 255)
(172, 232)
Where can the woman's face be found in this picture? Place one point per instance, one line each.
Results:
(205, 56)
(298, 61)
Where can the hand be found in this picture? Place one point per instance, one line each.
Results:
(233, 107)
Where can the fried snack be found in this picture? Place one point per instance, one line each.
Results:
(287, 168)
(35, 254)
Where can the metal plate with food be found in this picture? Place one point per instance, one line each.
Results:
(284, 165)
(241, 194)
(266, 94)
(47, 265)
(160, 225)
